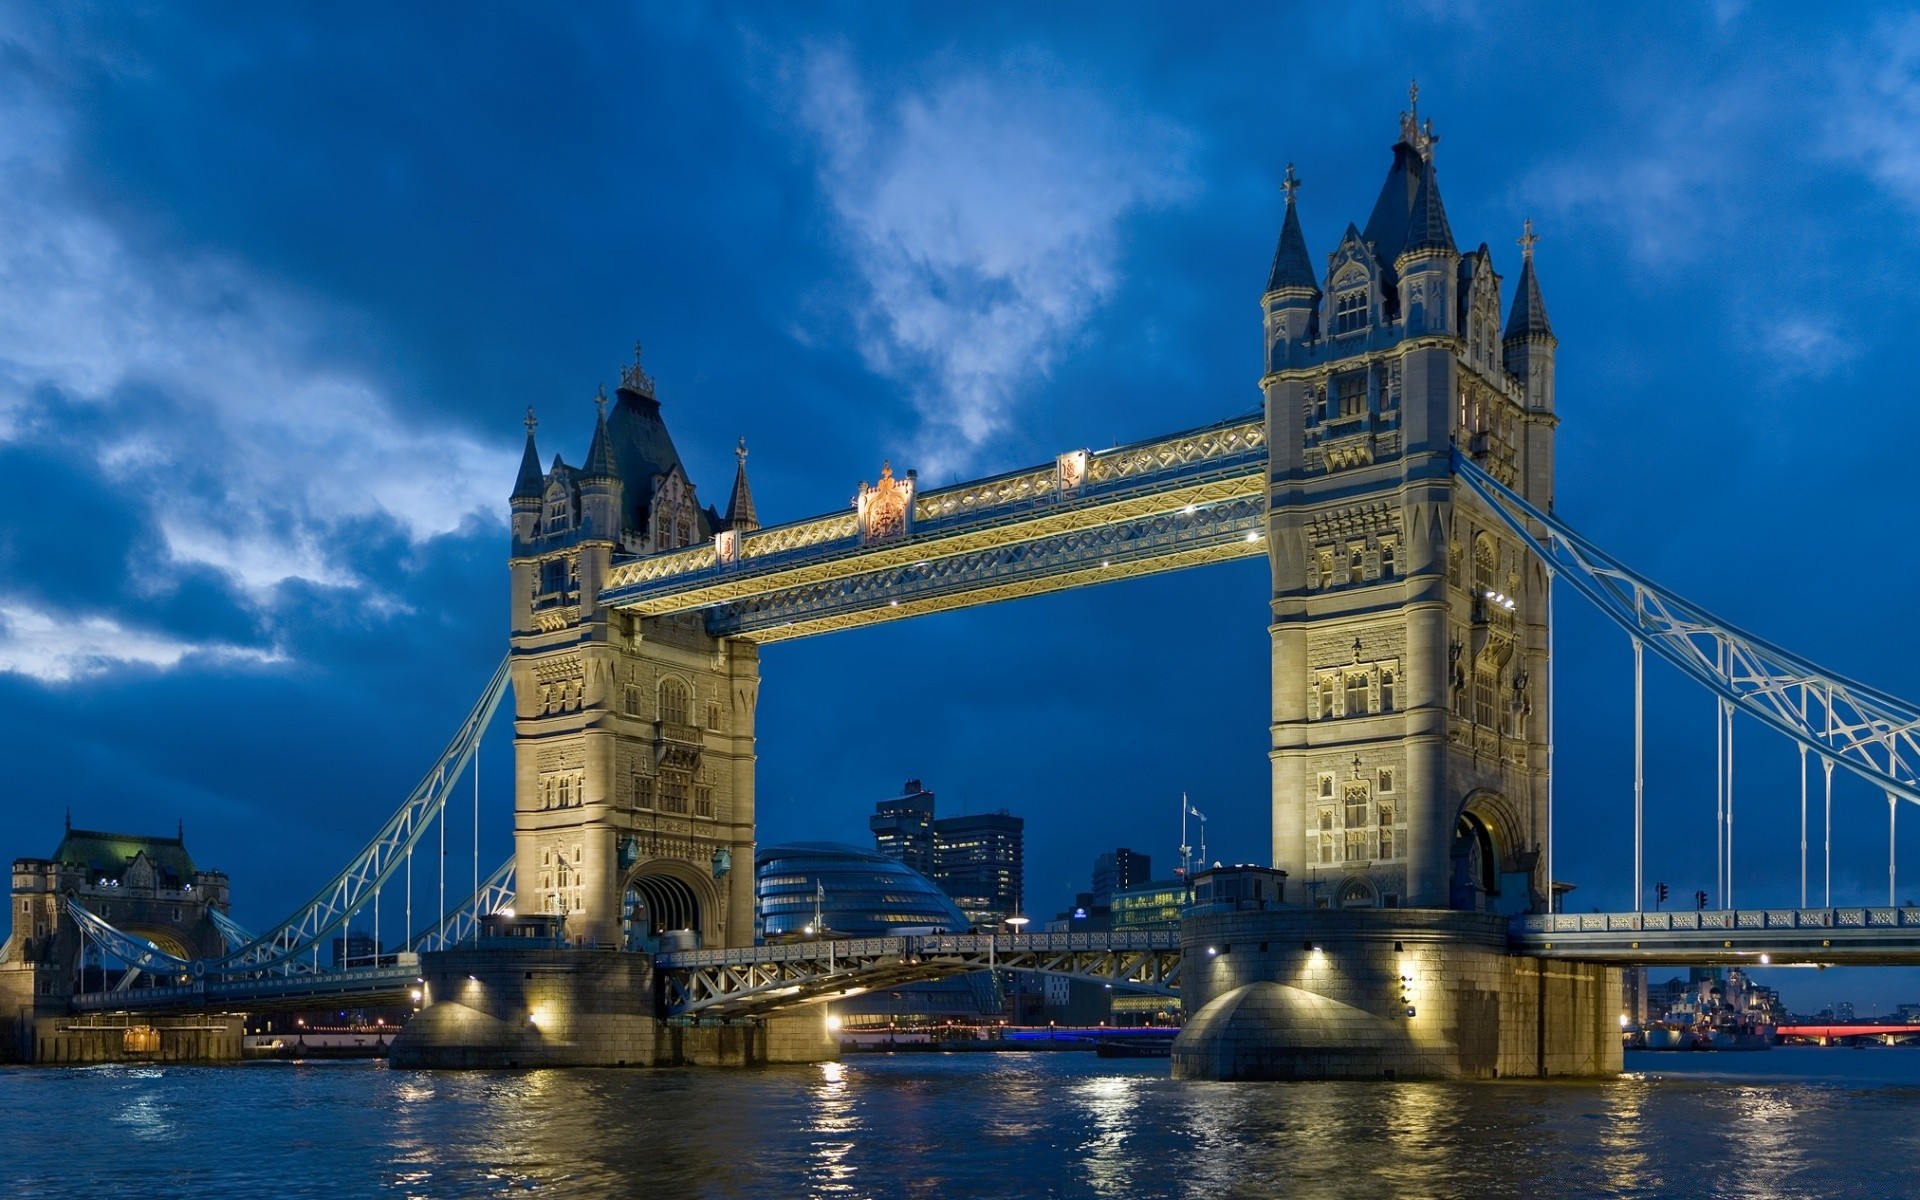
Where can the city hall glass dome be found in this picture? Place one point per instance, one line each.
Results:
(865, 894)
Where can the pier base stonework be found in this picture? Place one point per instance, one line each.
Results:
(1385, 994)
(492, 1007)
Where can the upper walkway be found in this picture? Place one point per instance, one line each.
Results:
(1088, 517)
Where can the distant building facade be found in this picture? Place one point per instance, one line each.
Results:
(831, 888)
(979, 860)
(1119, 870)
(903, 827)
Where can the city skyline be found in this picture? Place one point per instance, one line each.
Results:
(254, 561)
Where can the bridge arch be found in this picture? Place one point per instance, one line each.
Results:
(666, 896)
(1483, 849)
(1356, 891)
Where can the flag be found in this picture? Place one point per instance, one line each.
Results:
(1196, 812)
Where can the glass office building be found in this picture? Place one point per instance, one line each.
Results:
(854, 892)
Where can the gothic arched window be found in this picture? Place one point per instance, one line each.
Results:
(1386, 691)
(1356, 695)
(1486, 562)
(674, 702)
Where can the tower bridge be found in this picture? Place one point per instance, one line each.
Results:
(1398, 476)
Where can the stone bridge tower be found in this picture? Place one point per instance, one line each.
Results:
(1409, 629)
(633, 738)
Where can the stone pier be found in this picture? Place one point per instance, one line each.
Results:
(489, 1006)
(1386, 994)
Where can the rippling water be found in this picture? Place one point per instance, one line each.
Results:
(1794, 1122)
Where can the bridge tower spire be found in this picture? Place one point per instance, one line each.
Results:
(1409, 631)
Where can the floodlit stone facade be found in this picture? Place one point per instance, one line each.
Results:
(1371, 994)
(1409, 629)
(633, 737)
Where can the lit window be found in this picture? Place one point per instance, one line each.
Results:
(1356, 695)
(1351, 393)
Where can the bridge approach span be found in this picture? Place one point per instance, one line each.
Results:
(1729, 937)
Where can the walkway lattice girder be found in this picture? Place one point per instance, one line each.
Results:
(761, 980)
(1138, 509)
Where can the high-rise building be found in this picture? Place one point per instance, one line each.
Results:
(1118, 870)
(903, 827)
(978, 860)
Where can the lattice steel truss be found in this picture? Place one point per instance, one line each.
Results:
(761, 980)
(1849, 724)
(1179, 501)
(462, 923)
(282, 948)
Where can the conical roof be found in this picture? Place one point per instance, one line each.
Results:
(1427, 227)
(1292, 265)
(740, 514)
(600, 464)
(531, 482)
(1528, 317)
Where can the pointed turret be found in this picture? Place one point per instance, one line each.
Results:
(1292, 265)
(740, 515)
(1292, 299)
(1427, 228)
(600, 453)
(1528, 317)
(532, 482)
(1529, 342)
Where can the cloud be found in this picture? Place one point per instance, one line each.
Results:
(1877, 108)
(984, 217)
(1802, 344)
(200, 388)
(65, 649)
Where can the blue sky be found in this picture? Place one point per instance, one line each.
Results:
(275, 289)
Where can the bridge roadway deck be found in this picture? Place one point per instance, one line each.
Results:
(761, 980)
(1731, 937)
(389, 984)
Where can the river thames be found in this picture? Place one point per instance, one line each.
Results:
(1790, 1122)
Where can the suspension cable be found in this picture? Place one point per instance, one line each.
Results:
(1639, 772)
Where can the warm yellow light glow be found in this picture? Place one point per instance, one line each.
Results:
(1623, 1021)
(833, 1023)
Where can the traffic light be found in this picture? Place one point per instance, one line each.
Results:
(1659, 895)
(1700, 899)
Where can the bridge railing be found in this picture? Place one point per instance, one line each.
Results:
(1730, 919)
(922, 944)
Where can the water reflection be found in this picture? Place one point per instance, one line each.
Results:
(926, 1125)
(1109, 1105)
